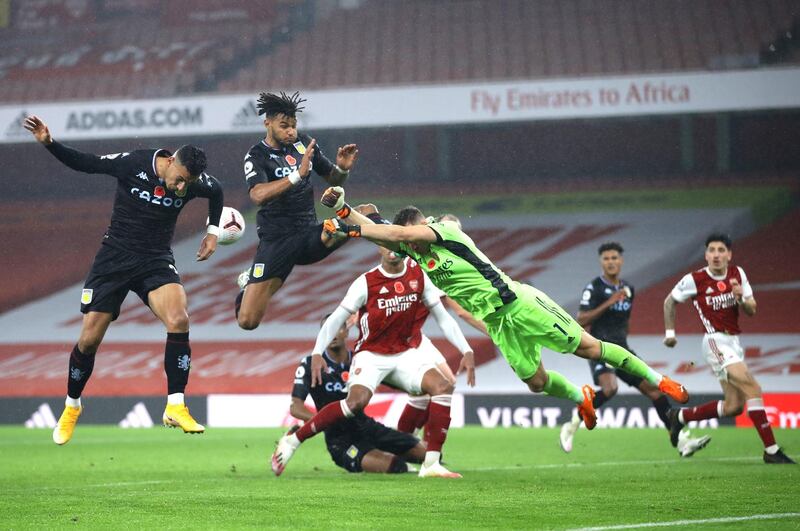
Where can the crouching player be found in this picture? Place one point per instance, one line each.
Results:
(357, 444)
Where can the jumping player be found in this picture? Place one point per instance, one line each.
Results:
(357, 444)
(390, 348)
(606, 304)
(153, 186)
(278, 170)
(520, 319)
(718, 291)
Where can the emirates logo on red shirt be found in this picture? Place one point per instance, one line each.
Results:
(159, 191)
(399, 287)
(291, 160)
(721, 286)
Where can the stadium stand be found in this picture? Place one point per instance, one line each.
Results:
(242, 47)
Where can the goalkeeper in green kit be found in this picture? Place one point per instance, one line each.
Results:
(520, 319)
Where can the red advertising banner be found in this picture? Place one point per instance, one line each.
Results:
(123, 369)
(783, 411)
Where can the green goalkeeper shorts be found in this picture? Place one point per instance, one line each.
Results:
(520, 330)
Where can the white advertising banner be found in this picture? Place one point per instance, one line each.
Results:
(523, 100)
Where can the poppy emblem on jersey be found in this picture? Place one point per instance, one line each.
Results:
(345, 376)
(399, 288)
(431, 263)
(291, 160)
(721, 286)
(300, 147)
(159, 191)
(413, 284)
(258, 270)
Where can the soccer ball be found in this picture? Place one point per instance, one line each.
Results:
(231, 226)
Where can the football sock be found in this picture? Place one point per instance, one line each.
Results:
(559, 386)
(600, 398)
(80, 369)
(177, 361)
(662, 408)
(619, 358)
(415, 411)
(397, 466)
(757, 413)
(438, 424)
(175, 399)
(709, 410)
(324, 419)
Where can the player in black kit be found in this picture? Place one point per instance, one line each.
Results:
(278, 171)
(358, 444)
(606, 305)
(153, 185)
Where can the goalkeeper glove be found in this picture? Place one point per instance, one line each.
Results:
(333, 198)
(336, 226)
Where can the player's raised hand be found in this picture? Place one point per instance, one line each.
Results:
(207, 247)
(317, 366)
(35, 125)
(336, 226)
(468, 364)
(305, 164)
(346, 156)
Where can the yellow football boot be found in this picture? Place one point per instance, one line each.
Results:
(66, 424)
(178, 416)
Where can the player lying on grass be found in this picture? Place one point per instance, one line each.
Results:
(520, 319)
(392, 301)
(153, 186)
(718, 291)
(359, 443)
(606, 306)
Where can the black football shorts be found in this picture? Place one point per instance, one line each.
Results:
(276, 257)
(115, 272)
(348, 449)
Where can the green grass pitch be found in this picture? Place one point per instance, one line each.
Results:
(111, 478)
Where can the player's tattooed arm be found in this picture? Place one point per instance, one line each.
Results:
(70, 157)
(346, 157)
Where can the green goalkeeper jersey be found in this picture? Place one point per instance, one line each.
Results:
(463, 272)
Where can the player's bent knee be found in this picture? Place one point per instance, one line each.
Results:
(177, 323)
(536, 385)
(247, 324)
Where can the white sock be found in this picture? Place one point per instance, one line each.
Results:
(419, 402)
(720, 409)
(73, 402)
(576, 419)
(680, 417)
(175, 399)
(431, 458)
(293, 440)
(771, 450)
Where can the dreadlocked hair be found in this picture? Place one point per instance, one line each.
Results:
(274, 104)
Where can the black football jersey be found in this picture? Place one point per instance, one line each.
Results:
(293, 209)
(612, 325)
(332, 389)
(145, 211)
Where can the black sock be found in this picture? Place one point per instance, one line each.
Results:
(80, 369)
(600, 398)
(662, 407)
(177, 361)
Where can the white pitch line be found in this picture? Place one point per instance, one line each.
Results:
(603, 463)
(675, 523)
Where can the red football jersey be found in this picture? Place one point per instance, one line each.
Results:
(391, 308)
(713, 298)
